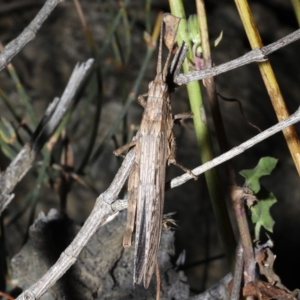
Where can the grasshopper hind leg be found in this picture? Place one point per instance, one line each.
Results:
(140, 255)
(131, 209)
(172, 157)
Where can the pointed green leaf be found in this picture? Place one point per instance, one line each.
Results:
(264, 167)
(218, 39)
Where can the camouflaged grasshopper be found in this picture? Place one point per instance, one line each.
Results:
(154, 148)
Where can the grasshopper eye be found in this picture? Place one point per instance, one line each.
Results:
(164, 87)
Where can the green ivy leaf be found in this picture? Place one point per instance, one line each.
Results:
(264, 167)
(261, 212)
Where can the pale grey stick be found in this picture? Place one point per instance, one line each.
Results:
(28, 34)
(100, 213)
(54, 113)
(256, 55)
(292, 119)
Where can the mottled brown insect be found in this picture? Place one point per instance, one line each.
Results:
(154, 147)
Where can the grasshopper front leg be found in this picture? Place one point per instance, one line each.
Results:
(183, 116)
(142, 100)
(125, 147)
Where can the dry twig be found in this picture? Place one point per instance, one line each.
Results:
(28, 34)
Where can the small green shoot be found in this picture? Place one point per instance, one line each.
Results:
(261, 215)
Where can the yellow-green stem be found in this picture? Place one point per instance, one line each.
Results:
(296, 7)
(204, 141)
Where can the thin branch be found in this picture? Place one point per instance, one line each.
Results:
(256, 55)
(54, 113)
(100, 214)
(28, 34)
(294, 118)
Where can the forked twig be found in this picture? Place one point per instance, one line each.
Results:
(28, 34)
(256, 55)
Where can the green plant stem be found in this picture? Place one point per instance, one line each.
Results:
(99, 96)
(204, 141)
(209, 82)
(37, 188)
(214, 103)
(127, 36)
(13, 112)
(116, 47)
(23, 95)
(94, 131)
(147, 15)
(113, 28)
